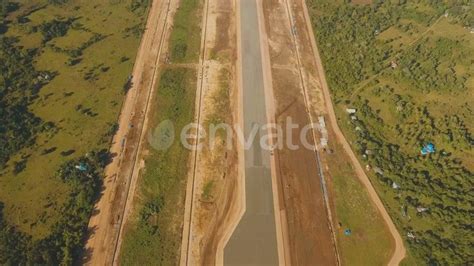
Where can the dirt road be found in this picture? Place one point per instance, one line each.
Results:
(106, 224)
(400, 251)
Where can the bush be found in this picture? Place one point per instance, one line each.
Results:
(55, 28)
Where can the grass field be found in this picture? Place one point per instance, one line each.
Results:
(154, 231)
(82, 100)
(185, 40)
(370, 242)
(408, 71)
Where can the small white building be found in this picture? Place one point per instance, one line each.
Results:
(351, 110)
(393, 64)
(421, 209)
(395, 185)
(377, 170)
(324, 142)
(321, 121)
(324, 132)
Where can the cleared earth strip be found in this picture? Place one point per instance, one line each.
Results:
(136, 162)
(105, 231)
(313, 133)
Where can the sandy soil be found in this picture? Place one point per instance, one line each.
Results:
(309, 229)
(106, 224)
(206, 219)
(238, 203)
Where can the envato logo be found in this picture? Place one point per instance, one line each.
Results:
(193, 136)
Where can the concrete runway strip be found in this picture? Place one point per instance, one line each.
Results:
(254, 241)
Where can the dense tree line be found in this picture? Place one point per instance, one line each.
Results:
(6, 7)
(421, 66)
(19, 85)
(13, 244)
(438, 182)
(3, 9)
(65, 243)
(348, 38)
(432, 193)
(353, 51)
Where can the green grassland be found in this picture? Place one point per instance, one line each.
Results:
(185, 40)
(370, 242)
(426, 97)
(87, 48)
(154, 232)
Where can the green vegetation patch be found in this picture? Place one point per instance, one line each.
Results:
(369, 242)
(408, 91)
(61, 88)
(64, 244)
(154, 236)
(20, 82)
(207, 190)
(220, 100)
(185, 40)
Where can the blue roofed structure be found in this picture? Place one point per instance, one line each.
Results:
(81, 167)
(347, 232)
(428, 148)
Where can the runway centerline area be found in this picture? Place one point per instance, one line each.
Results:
(254, 241)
